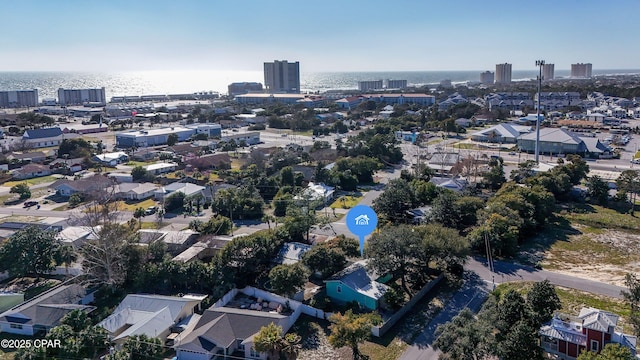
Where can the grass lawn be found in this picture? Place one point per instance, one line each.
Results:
(573, 300)
(152, 225)
(305, 133)
(134, 205)
(466, 146)
(345, 202)
(600, 217)
(236, 164)
(31, 182)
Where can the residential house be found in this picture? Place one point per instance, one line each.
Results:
(453, 184)
(144, 154)
(152, 315)
(225, 331)
(291, 253)
(43, 312)
(212, 161)
(565, 337)
(87, 185)
(47, 137)
(357, 283)
(111, 159)
(135, 191)
(176, 241)
(317, 192)
(32, 157)
(77, 235)
(66, 166)
(31, 171)
(186, 188)
(161, 168)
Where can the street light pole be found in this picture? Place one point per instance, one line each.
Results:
(539, 64)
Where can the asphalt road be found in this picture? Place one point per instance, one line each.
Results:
(479, 281)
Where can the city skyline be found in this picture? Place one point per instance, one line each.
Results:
(337, 36)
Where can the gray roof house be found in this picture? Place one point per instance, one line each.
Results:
(187, 189)
(502, 133)
(177, 241)
(291, 253)
(66, 187)
(151, 315)
(45, 311)
(223, 331)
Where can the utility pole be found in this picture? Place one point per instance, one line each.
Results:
(539, 64)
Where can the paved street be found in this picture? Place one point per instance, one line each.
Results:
(479, 281)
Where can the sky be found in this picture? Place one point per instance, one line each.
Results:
(330, 35)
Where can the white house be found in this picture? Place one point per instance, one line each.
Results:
(161, 168)
(112, 159)
(151, 315)
(135, 191)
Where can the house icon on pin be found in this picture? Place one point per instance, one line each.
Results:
(362, 220)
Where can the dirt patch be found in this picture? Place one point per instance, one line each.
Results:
(597, 254)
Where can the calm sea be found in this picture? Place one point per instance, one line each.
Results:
(177, 82)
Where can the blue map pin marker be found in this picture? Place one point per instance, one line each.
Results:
(362, 221)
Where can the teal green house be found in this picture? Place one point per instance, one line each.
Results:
(356, 283)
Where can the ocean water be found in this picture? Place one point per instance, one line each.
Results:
(179, 82)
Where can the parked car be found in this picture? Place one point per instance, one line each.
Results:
(30, 203)
(151, 210)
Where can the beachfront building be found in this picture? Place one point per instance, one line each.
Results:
(581, 70)
(152, 137)
(18, 98)
(282, 77)
(396, 84)
(503, 73)
(239, 88)
(548, 71)
(487, 78)
(370, 85)
(81, 96)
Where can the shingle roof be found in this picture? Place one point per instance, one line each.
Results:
(48, 308)
(360, 280)
(222, 326)
(42, 133)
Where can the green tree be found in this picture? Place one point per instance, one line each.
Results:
(395, 200)
(494, 178)
(174, 201)
(172, 139)
(611, 351)
(598, 190)
(520, 343)
(629, 182)
(291, 346)
(29, 251)
(324, 259)
(75, 199)
(217, 225)
(140, 174)
(65, 254)
(287, 279)
(632, 297)
(139, 213)
(543, 300)
(287, 176)
(22, 190)
(139, 347)
(349, 329)
(78, 320)
(393, 250)
(444, 210)
(462, 338)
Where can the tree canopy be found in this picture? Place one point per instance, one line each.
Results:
(31, 250)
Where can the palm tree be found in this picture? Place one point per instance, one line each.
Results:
(269, 340)
(268, 219)
(66, 255)
(291, 346)
(139, 213)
